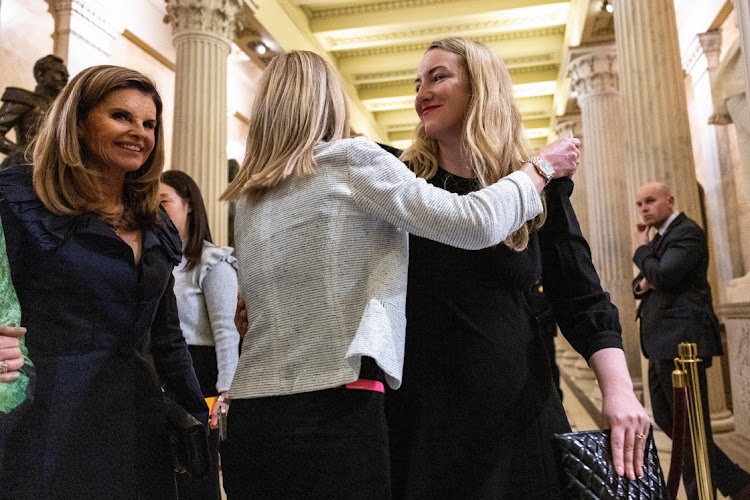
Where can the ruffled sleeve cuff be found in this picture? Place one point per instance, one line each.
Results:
(212, 255)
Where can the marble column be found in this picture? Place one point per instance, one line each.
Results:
(719, 169)
(61, 11)
(570, 126)
(743, 23)
(594, 77)
(716, 173)
(569, 360)
(202, 34)
(656, 122)
(83, 34)
(736, 317)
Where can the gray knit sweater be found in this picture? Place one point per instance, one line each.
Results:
(206, 299)
(323, 263)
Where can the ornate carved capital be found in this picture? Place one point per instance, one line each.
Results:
(215, 17)
(711, 44)
(569, 126)
(58, 6)
(594, 71)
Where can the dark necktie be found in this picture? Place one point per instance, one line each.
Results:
(655, 242)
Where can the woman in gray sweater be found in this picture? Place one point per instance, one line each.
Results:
(205, 285)
(321, 234)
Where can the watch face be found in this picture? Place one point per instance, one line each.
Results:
(547, 168)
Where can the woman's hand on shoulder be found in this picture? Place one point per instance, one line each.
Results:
(564, 155)
(11, 358)
(628, 421)
(240, 317)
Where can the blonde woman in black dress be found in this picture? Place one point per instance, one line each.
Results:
(477, 410)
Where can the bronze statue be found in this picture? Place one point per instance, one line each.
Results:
(22, 110)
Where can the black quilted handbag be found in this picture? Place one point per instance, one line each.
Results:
(188, 438)
(589, 473)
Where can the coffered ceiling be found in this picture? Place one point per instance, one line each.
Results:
(377, 45)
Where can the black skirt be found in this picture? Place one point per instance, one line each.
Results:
(323, 444)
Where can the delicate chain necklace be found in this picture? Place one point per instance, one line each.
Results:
(115, 227)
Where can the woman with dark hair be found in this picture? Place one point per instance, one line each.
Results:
(206, 288)
(91, 257)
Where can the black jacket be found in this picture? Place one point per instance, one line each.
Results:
(678, 308)
(97, 427)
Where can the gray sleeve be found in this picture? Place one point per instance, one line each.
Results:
(383, 186)
(220, 292)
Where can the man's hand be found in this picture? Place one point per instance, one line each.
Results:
(644, 285)
(640, 235)
(563, 154)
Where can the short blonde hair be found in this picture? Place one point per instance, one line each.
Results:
(63, 181)
(299, 103)
(492, 137)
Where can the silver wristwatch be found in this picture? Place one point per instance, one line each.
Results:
(544, 168)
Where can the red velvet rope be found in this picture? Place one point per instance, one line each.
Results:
(679, 427)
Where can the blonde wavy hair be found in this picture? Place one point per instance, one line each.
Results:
(492, 136)
(299, 103)
(65, 181)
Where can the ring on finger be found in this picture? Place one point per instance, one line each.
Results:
(640, 436)
(3, 367)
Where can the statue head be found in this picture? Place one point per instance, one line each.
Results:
(51, 75)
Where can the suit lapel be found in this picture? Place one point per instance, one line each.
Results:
(670, 230)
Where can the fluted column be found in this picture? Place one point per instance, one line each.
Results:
(202, 34)
(655, 108)
(570, 126)
(594, 77)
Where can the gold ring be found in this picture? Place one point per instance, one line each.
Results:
(640, 436)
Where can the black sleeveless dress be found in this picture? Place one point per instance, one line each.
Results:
(477, 410)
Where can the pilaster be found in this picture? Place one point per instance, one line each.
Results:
(83, 32)
(720, 174)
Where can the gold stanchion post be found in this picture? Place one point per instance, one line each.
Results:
(687, 362)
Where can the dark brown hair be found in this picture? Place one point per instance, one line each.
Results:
(197, 219)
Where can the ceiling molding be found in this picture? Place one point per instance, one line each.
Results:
(420, 46)
(371, 7)
(376, 46)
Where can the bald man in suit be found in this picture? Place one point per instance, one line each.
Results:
(676, 307)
